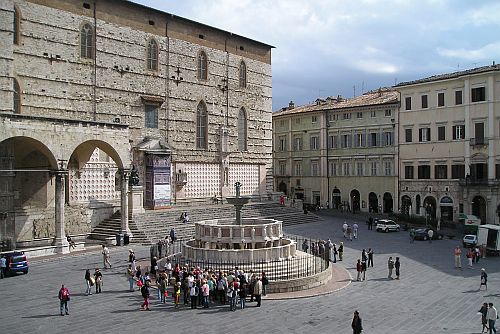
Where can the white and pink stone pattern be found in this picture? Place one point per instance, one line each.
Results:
(247, 175)
(203, 180)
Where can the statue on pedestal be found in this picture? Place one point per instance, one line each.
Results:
(134, 177)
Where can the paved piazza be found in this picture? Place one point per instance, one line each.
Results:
(431, 297)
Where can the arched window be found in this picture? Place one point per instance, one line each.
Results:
(87, 41)
(201, 126)
(242, 130)
(202, 66)
(17, 25)
(17, 97)
(152, 55)
(243, 74)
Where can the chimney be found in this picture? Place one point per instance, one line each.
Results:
(291, 105)
(340, 98)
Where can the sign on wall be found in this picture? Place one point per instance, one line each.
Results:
(158, 175)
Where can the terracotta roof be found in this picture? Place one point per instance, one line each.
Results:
(453, 75)
(372, 98)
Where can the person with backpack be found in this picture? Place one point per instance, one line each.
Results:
(205, 289)
(145, 294)
(243, 295)
(63, 300)
(221, 288)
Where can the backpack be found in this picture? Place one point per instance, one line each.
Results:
(221, 285)
(65, 294)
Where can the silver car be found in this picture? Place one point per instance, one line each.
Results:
(387, 225)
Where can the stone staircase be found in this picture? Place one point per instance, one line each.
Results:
(152, 225)
(110, 227)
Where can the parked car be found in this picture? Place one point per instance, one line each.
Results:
(423, 234)
(386, 225)
(16, 263)
(470, 240)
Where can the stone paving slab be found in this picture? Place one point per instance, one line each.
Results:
(431, 297)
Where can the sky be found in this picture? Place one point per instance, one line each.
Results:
(347, 47)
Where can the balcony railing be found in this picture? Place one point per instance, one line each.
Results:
(478, 142)
(471, 182)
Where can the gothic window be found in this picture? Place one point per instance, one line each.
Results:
(87, 41)
(152, 55)
(201, 126)
(242, 130)
(243, 74)
(17, 25)
(202, 66)
(17, 98)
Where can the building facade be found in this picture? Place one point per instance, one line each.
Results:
(449, 145)
(90, 89)
(339, 153)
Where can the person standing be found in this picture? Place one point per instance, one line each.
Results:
(484, 279)
(193, 293)
(145, 294)
(63, 300)
(344, 229)
(341, 250)
(370, 257)
(105, 256)
(356, 324)
(3, 266)
(355, 227)
(243, 295)
(173, 234)
(370, 223)
(130, 277)
(363, 270)
(265, 283)
(397, 265)
(305, 246)
(412, 235)
(492, 316)
(257, 291)
(131, 259)
(469, 256)
(364, 255)
(177, 293)
(430, 234)
(205, 290)
(88, 282)
(458, 257)
(358, 270)
(98, 280)
(390, 266)
(335, 252)
(484, 321)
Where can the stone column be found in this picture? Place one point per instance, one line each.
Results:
(124, 203)
(61, 243)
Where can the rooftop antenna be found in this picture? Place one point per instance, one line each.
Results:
(362, 87)
(458, 67)
(395, 81)
(354, 89)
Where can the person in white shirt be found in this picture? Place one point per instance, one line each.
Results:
(492, 316)
(355, 230)
(105, 256)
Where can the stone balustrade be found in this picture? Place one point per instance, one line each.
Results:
(284, 248)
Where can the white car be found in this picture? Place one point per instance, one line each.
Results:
(470, 240)
(386, 225)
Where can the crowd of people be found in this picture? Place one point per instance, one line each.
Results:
(195, 287)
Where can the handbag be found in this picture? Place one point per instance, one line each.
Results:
(92, 281)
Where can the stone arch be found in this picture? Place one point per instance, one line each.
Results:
(446, 208)
(388, 203)
(372, 202)
(336, 198)
(355, 200)
(479, 208)
(430, 206)
(406, 205)
(282, 187)
(93, 170)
